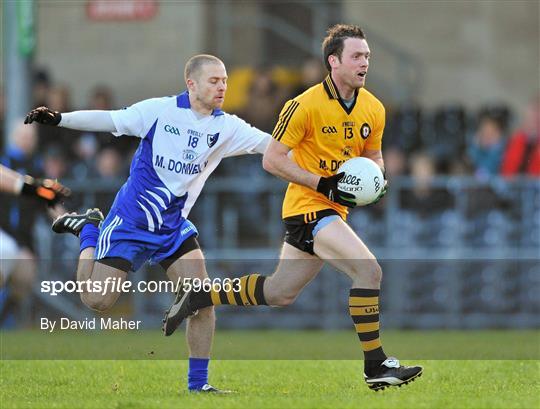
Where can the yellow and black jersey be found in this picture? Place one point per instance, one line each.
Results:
(323, 133)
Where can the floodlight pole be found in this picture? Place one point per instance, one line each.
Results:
(17, 49)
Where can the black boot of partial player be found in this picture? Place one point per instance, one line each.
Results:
(179, 311)
(73, 223)
(391, 373)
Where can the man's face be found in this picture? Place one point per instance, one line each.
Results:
(209, 85)
(489, 133)
(352, 69)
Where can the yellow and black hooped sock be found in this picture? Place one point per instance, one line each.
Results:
(247, 291)
(364, 309)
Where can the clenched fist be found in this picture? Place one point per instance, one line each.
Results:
(43, 115)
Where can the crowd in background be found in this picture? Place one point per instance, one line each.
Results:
(490, 141)
(419, 141)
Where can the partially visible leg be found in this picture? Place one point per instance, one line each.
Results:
(9, 257)
(86, 227)
(86, 264)
(200, 327)
(338, 244)
(105, 272)
(23, 275)
(342, 248)
(109, 278)
(18, 281)
(294, 271)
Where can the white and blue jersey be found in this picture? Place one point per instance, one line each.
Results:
(177, 153)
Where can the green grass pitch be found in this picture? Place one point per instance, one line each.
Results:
(271, 383)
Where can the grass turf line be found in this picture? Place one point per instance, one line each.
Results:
(264, 384)
(273, 345)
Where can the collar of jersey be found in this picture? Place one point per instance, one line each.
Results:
(333, 93)
(182, 101)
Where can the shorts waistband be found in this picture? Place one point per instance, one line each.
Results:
(311, 216)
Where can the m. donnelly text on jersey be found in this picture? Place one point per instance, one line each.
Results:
(180, 167)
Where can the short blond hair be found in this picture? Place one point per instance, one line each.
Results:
(195, 63)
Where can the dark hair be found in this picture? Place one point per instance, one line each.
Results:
(333, 42)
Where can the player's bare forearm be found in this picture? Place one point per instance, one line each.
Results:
(375, 155)
(10, 181)
(47, 190)
(277, 162)
(288, 170)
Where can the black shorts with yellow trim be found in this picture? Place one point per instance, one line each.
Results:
(299, 228)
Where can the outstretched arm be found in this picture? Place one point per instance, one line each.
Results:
(94, 121)
(10, 181)
(47, 190)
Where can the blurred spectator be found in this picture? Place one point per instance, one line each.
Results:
(41, 87)
(85, 149)
(101, 98)
(459, 167)
(499, 112)
(522, 154)
(54, 163)
(444, 135)
(424, 199)
(109, 166)
(58, 99)
(109, 163)
(17, 219)
(264, 101)
(312, 72)
(404, 127)
(19, 213)
(487, 147)
(395, 162)
(56, 166)
(485, 155)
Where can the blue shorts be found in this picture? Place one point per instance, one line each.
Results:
(120, 238)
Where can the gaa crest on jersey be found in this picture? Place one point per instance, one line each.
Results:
(365, 130)
(212, 139)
